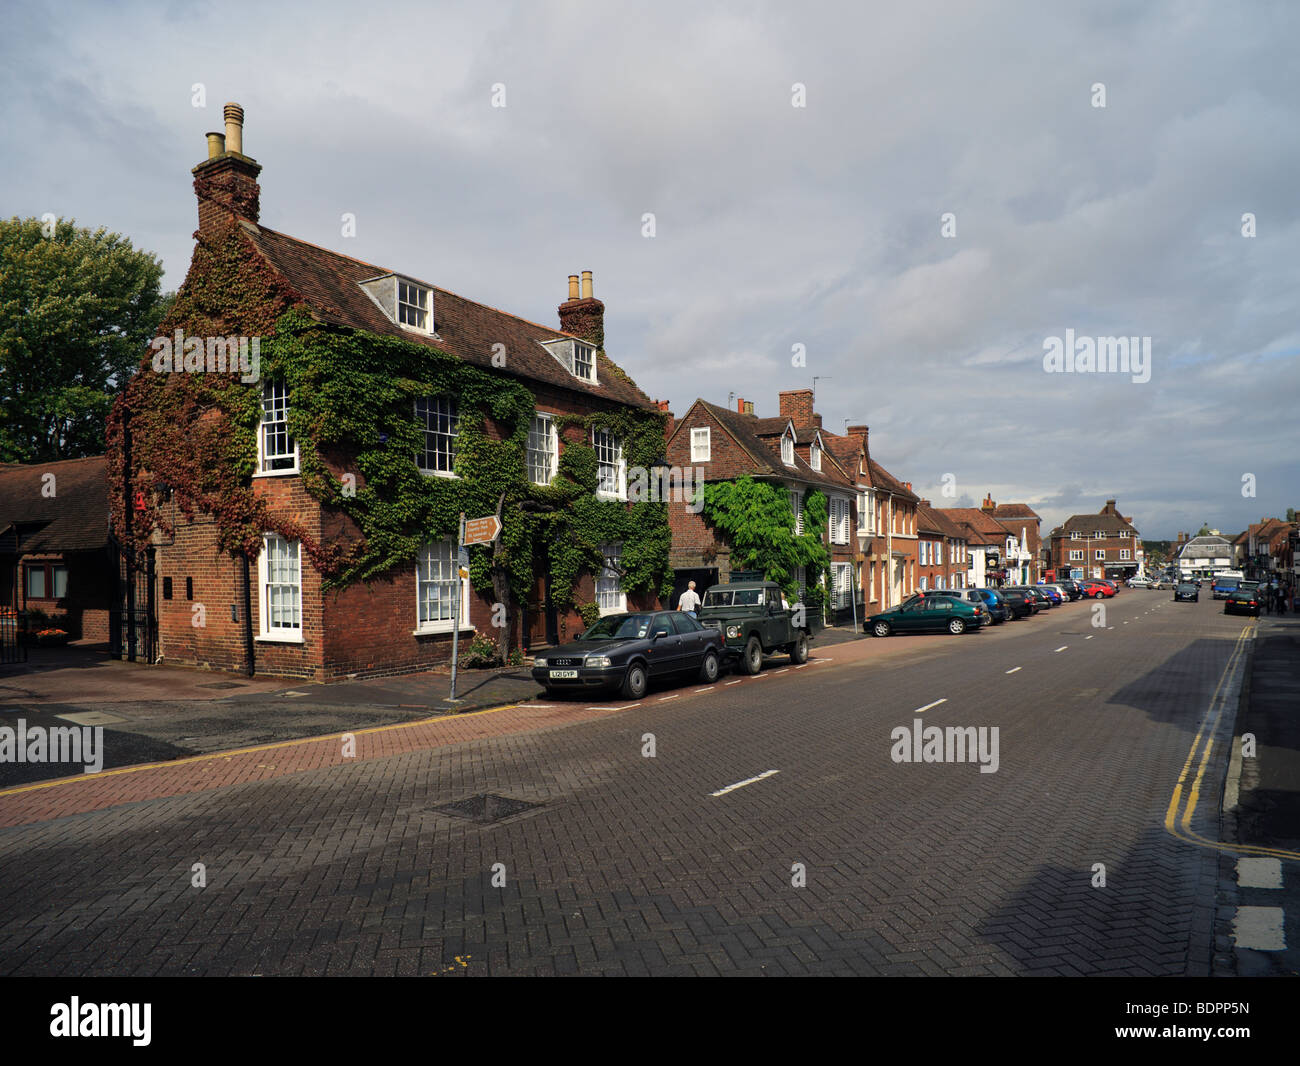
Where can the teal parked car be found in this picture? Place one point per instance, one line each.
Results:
(929, 613)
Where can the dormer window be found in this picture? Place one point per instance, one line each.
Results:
(412, 306)
(577, 357)
(815, 458)
(584, 361)
(787, 450)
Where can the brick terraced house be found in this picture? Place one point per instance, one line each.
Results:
(941, 550)
(1105, 544)
(305, 524)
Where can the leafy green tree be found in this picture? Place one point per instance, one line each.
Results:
(758, 523)
(76, 311)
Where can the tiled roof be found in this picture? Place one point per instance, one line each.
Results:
(1014, 510)
(764, 449)
(982, 527)
(1084, 523)
(329, 281)
(935, 521)
(75, 518)
(883, 479)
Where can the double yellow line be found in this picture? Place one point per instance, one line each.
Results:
(1182, 828)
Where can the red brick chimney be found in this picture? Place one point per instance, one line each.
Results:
(797, 405)
(226, 182)
(582, 314)
(1109, 508)
(861, 432)
(988, 504)
(671, 420)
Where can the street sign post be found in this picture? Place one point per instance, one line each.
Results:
(480, 530)
(455, 614)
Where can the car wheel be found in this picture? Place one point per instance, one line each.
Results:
(1098, 595)
(753, 660)
(799, 649)
(956, 627)
(634, 683)
(880, 629)
(709, 668)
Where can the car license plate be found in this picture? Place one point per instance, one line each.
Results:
(564, 673)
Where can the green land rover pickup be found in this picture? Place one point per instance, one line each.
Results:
(754, 623)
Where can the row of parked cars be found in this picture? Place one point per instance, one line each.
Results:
(958, 610)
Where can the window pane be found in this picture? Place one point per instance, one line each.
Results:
(440, 421)
(60, 582)
(36, 582)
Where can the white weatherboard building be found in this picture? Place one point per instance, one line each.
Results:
(1205, 556)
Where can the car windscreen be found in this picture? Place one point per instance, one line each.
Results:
(619, 627)
(733, 598)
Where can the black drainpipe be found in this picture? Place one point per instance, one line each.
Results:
(248, 618)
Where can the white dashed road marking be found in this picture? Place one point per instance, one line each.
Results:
(663, 698)
(736, 682)
(929, 705)
(1013, 670)
(742, 784)
(1259, 928)
(1259, 873)
(1063, 647)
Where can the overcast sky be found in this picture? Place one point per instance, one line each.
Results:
(775, 225)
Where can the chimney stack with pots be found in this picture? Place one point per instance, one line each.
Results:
(582, 314)
(226, 182)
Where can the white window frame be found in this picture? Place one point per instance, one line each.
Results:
(701, 447)
(796, 505)
(1098, 534)
(1098, 554)
(611, 597)
(614, 459)
(841, 584)
(787, 450)
(1125, 555)
(815, 457)
(426, 577)
(1076, 536)
(290, 634)
(433, 410)
(275, 401)
(1124, 534)
(589, 362)
(838, 522)
(1077, 556)
(866, 511)
(543, 443)
(414, 304)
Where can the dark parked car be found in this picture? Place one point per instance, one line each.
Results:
(922, 613)
(990, 598)
(1037, 595)
(1072, 587)
(1187, 591)
(1239, 602)
(754, 621)
(626, 651)
(1019, 603)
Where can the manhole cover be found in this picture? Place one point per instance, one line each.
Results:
(224, 684)
(486, 808)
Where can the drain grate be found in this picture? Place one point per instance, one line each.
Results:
(486, 808)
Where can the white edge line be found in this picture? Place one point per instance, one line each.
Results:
(742, 784)
(663, 698)
(736, 682)
(929, 705)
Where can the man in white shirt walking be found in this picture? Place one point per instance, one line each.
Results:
(689, 601)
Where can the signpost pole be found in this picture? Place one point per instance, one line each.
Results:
(455, 616)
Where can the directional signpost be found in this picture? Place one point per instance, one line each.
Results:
(475, 531)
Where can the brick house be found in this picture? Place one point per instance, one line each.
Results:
(1105, 544)
(989, 544)
(271, 609)
(1022, 520)
(788, 450)
(54, 543)
(941, 550)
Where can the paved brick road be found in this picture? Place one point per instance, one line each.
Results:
(630, 865)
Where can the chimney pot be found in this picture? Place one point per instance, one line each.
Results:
(234, 128)
(740, 405)
(216, 145)
(573, 286)
(587, 293)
